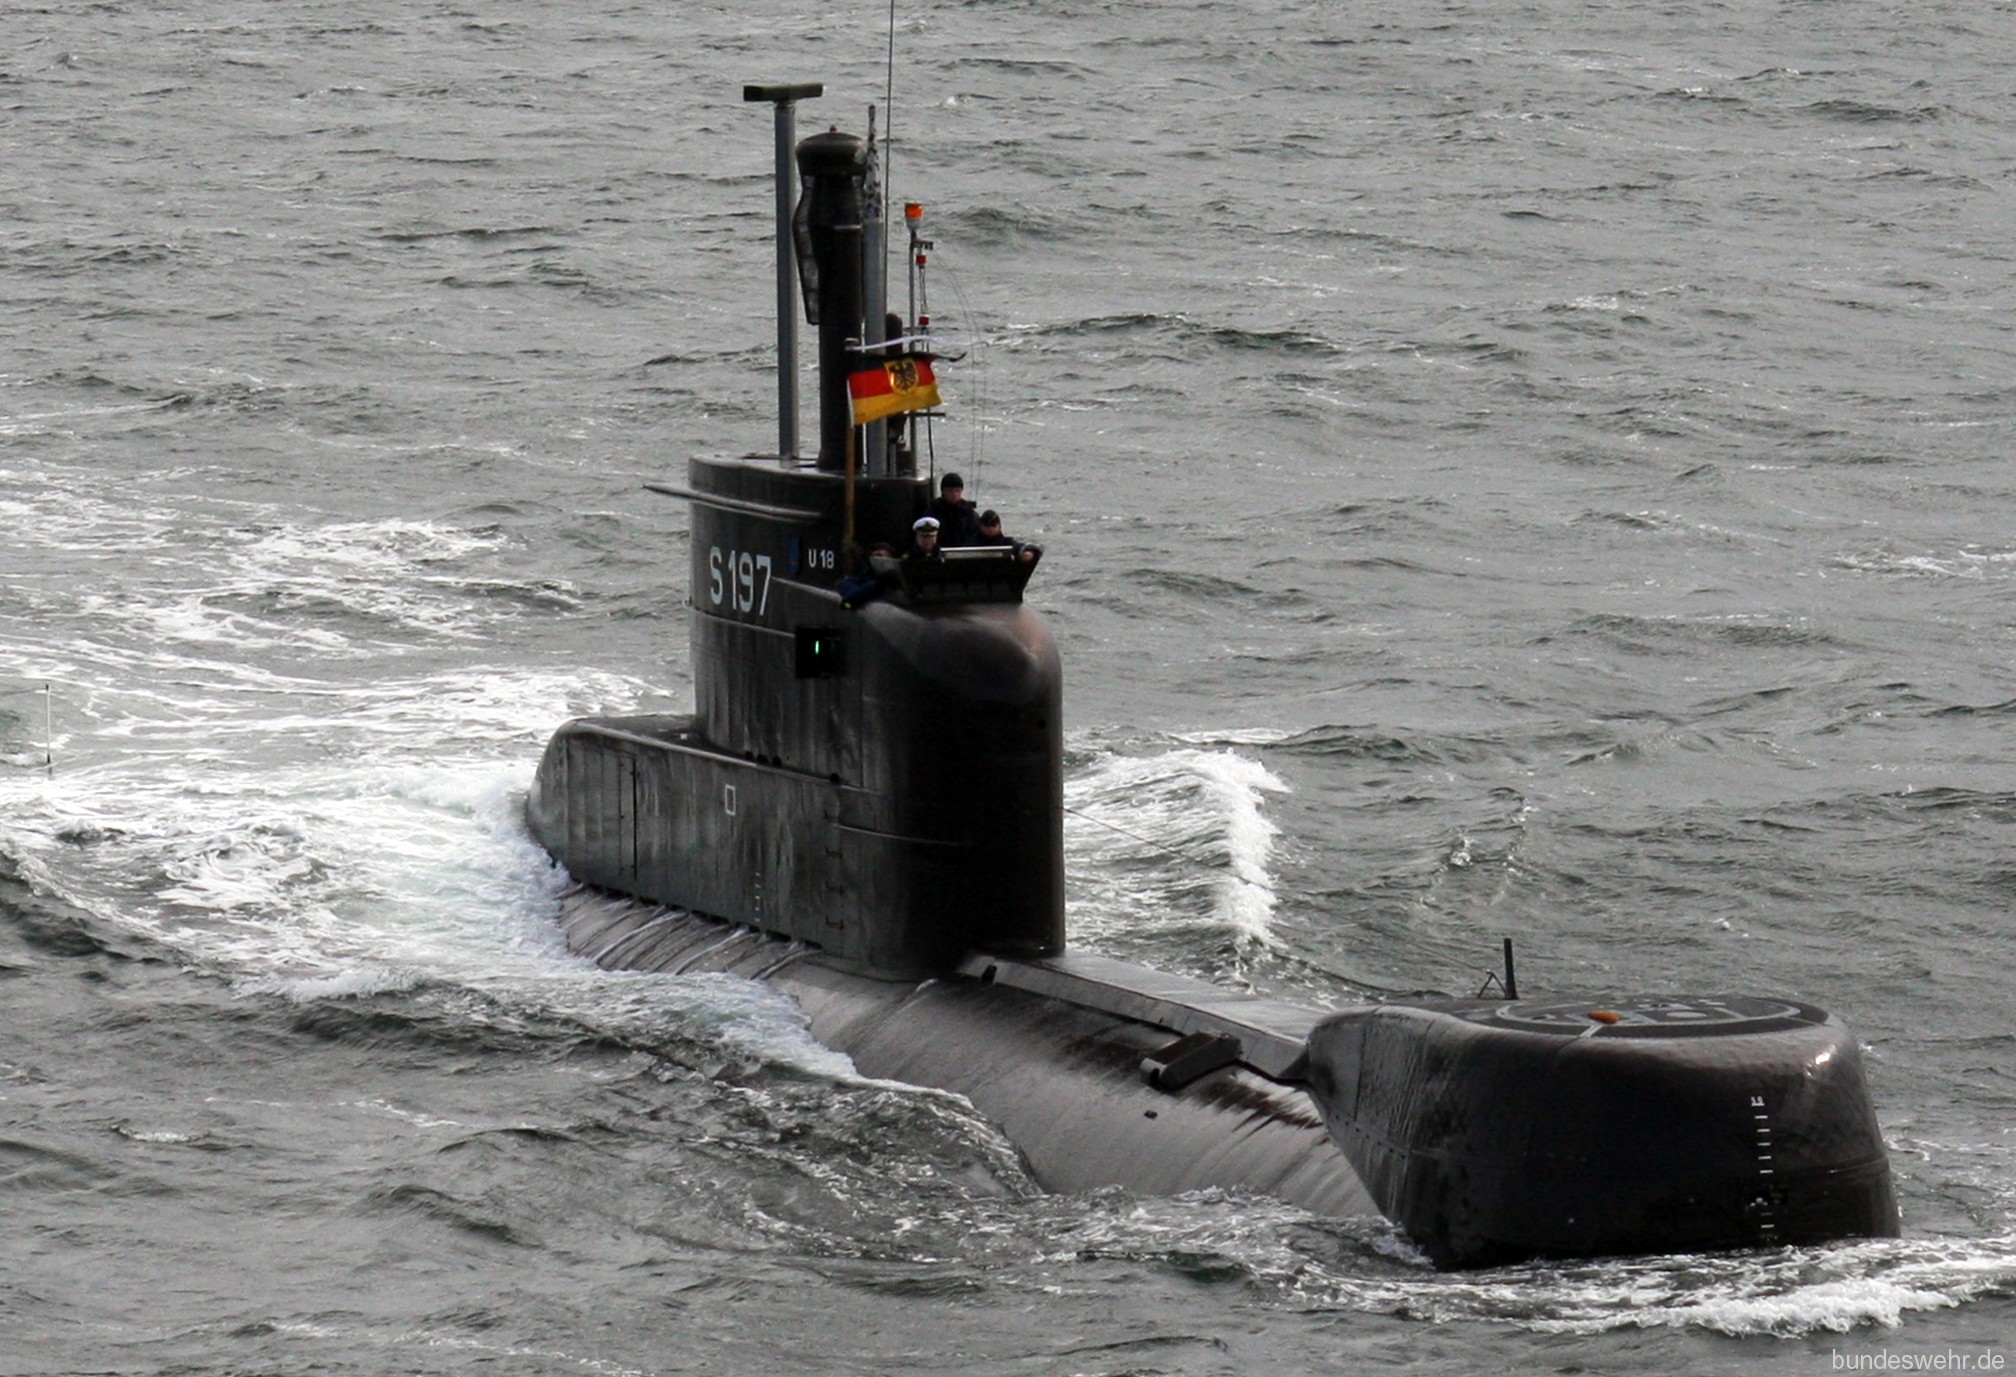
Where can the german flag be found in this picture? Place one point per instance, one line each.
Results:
(905, 384)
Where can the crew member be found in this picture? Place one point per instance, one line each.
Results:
(858, 589)
(990, 529)
(923, 539)
(992, 534)
(957, 522)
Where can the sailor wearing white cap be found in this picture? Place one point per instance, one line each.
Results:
(923, 539)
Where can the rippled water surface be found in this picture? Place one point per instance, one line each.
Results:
(1531, 470)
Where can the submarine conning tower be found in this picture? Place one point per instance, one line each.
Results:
(874, 763)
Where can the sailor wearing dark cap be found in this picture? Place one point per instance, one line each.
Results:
(958, 523)
(992, 534)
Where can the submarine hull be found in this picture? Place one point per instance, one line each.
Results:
(1489, 1132)
(1063, 1082)
(866, 809)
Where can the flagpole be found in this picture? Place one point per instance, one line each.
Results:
(847, 531)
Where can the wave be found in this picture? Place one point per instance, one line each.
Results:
(1181, 329)
(47, 926)
(1284, 1258)
(323, 589)
(1967, 562)
(1371, 743)
(1678, 635)
(996, 225)
(1787, 1293)
(1173, 844)
(1850, 111)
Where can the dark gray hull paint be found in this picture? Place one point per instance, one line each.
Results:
(1062, 1081)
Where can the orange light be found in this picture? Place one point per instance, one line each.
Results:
(912, 211)
(1606, 1015)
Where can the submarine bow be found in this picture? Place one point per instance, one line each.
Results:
(1498, 1131)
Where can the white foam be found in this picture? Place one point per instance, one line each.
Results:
(1835, 1307)
(335, 881)
(329, 840)
(1785, 1293)
(362, 981)
(1969, 562)
(264, 580)
(1236, 736)
(162, 1136)
(1196, 816)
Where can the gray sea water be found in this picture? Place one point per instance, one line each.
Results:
(1536, 469)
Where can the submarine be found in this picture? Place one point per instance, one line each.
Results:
(865, 810)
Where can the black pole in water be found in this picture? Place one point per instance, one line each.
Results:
(1511, 980)
(785, 97)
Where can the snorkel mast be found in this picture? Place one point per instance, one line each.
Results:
(832, 243)
(785, 96)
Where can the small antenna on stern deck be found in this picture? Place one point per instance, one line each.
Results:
(1508, 982)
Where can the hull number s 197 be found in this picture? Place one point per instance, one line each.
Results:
(738, 578)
